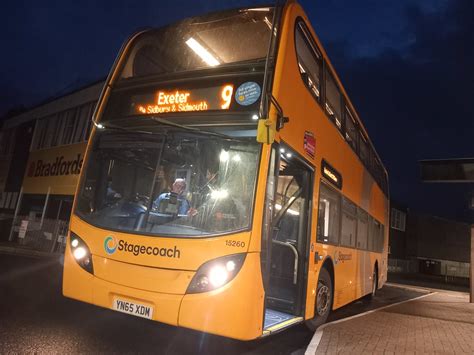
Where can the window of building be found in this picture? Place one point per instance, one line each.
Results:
(362, 228)
(7, 137)
(69, 118)
(41, 133)
(88, 127)
(81, 123)
(333, 100)
(328, 215)
(349, 223)
(56, 127)
(397, 219)
(309, 60)
(351, 130)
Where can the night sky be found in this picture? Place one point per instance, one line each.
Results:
(407, 65)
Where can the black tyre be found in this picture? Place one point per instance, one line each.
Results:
(324, 296)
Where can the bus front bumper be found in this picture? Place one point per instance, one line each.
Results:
(234, 310)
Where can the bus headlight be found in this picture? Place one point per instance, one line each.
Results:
(81, 253)
(216, 273)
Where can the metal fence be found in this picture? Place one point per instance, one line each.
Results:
(402, 266)
(447, 268)
(46, 235)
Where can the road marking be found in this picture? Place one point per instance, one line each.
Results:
(313, 345)
(421, 288)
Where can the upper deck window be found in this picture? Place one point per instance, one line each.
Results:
(201, 42)
(333, 100)
(309, 61)
(351, 130)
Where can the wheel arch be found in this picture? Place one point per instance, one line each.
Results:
(328, 264)
(376, 271)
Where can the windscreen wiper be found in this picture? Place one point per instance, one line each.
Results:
(107, 125)
(194, 129)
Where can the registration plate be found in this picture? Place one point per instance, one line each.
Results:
(134, 308)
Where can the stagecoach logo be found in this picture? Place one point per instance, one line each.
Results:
(59, 167)
(340, 257)
(110, 245)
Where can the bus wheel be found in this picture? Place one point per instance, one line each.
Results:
(375, 280)
(323, 304)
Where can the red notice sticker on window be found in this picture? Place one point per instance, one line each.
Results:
(309, 143)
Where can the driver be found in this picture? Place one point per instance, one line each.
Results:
(173, 202)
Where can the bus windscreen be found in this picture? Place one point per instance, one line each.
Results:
(201, 42)
(178, 183)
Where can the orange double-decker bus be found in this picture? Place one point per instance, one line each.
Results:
(229, 185)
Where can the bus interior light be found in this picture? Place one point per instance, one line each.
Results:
(202, 52)
(216, 273)
(254, 116)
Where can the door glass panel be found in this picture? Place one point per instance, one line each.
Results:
(287, 199)
(289, 237)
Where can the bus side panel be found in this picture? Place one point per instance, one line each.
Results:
(359, 186)
(235, 310)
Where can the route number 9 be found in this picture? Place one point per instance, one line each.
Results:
(226, 95)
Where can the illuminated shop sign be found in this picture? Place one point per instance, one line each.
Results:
(54, 170)
(331, 174)
(183, 100)
(60, 166)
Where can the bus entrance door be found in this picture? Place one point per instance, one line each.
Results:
(288, 254)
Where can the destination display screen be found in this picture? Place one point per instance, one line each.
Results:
(227, 96)
(219, 96)
(184, 100)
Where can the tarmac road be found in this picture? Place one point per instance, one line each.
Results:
(35, 317)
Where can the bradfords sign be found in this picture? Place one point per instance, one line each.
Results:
(56, 169)
(61, 166)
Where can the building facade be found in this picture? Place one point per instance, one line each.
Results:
(41, 155)
(427, 244)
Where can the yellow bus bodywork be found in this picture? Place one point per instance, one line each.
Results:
(237, 309)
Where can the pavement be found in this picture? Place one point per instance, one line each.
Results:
(437, 322)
